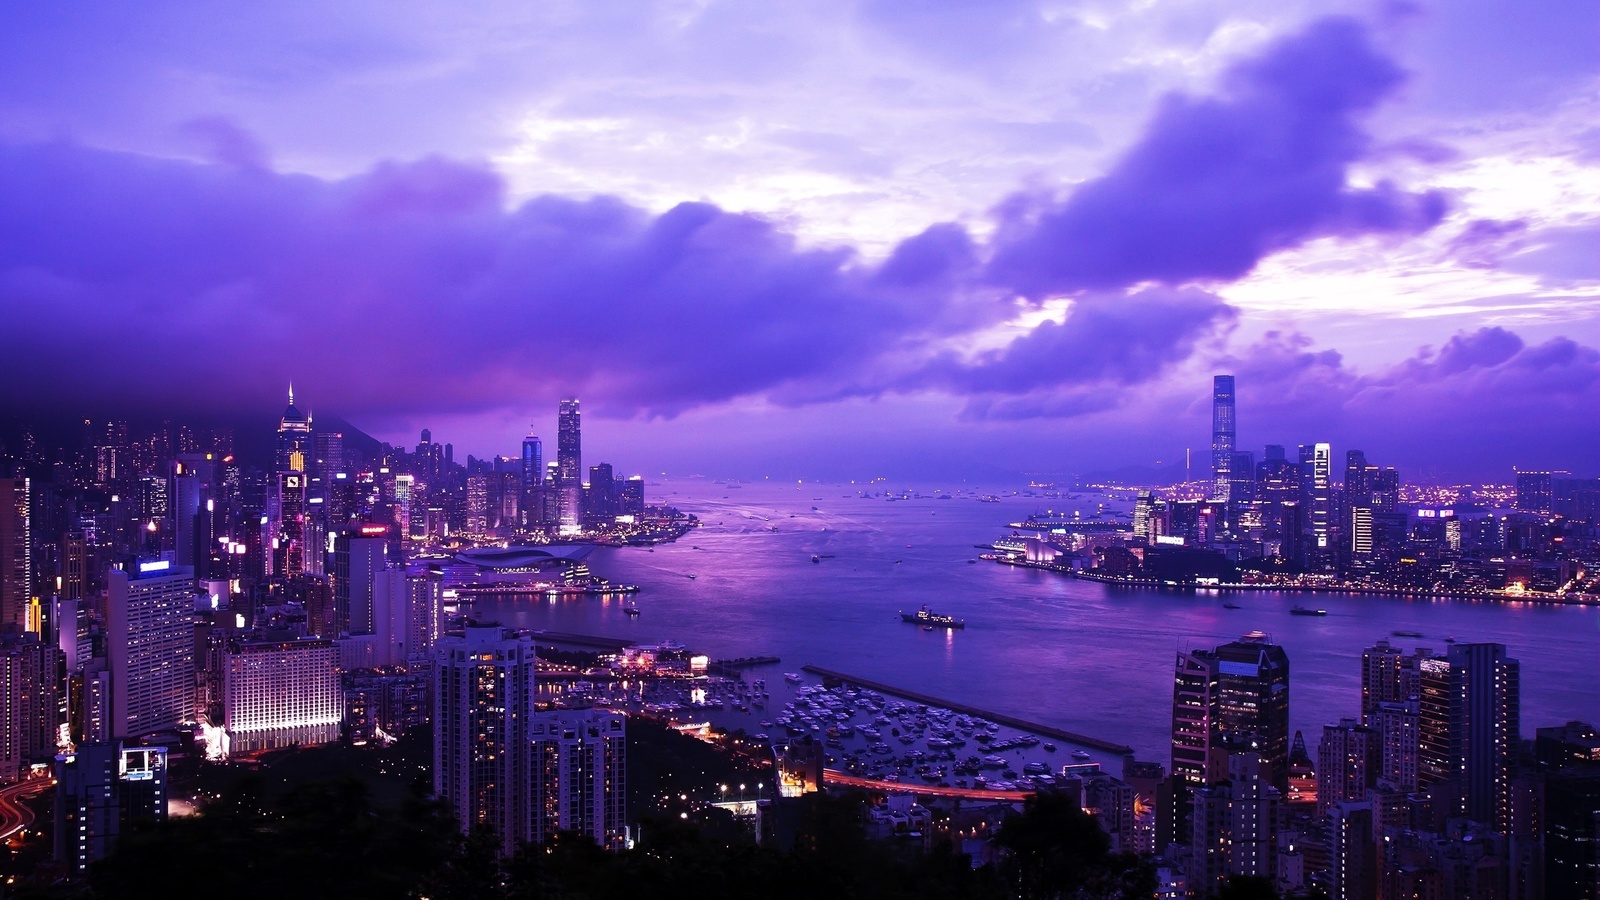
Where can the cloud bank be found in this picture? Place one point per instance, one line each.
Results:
(137, 282)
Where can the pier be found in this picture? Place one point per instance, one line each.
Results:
(730, 668)
(1022, 724)
(581, 640)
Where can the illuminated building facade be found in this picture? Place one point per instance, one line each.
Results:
(579, 773)
(277, 693)
(482, 751)
(294, 439)
(16, 550)
(1322, 524)
(30, 701)
(150, 647)
(569, 462)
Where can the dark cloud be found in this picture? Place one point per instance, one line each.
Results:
(412, 286)
(416, 287)
(1218, 183)
(1484, 401)
(1104, 340)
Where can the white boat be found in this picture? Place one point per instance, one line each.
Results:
(1081, 754)
(793, 677)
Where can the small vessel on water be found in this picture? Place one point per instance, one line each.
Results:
(1307, 611)
(1409, 634)
(926, 616)
(630, 609)
(816, 558)
(1081, 754)
(793, 677)
(693, 575)
(1231, 606)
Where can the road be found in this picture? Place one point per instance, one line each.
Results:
(833, 776)
(14, 816)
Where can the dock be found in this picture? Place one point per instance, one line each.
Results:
(1082, 740)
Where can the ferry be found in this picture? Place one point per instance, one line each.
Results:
(1307, 611)
(925, 616)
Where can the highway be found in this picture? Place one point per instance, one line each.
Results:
(14, 816)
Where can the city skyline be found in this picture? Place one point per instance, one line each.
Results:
(766, 265)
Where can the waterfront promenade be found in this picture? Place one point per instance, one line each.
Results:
(1299, 587)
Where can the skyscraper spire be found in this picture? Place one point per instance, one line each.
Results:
(291, 393)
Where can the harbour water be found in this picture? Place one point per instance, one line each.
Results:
(1041, 646)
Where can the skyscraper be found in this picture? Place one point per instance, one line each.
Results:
(1389, 675)
(150, 647)
(631, 496)
(358, 555)
(1234, 827)
(1348, 758)
(30, 701)
(532, 462)
(1535, 491)
(1470, 728)
(290, 548)
(569, 462)
(579, 772)
(1569, 756)
(100, 788)
(294, 439)
(482, 749)
(1223, 437)
(16, 553)
(602, 494)
(1143, 506)
(1357, 491)
(1322, 498)
(1239, 689)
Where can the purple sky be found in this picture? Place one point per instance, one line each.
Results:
(824, 238)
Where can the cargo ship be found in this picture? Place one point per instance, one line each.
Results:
(925, 616)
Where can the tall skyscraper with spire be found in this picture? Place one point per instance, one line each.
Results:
(1223, 438)
(294, 438)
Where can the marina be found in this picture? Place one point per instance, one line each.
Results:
(1013, 721)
